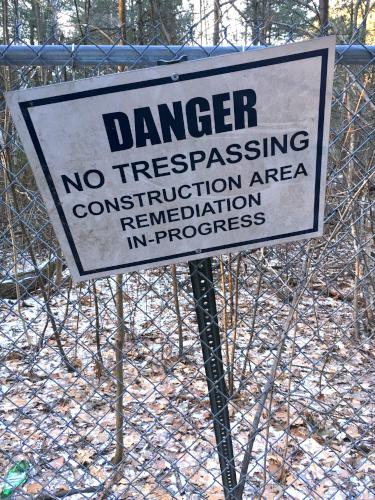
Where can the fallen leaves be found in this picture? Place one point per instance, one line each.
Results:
(67, 422)
(130, 439)
(275, 466)
(57, 463)
(83, 456)
(33, 488)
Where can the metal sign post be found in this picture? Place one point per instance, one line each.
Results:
(205, 307)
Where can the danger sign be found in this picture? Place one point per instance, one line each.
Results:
(168, 164)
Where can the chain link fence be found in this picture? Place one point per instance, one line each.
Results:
(103, 386)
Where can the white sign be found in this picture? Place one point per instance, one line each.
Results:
(174, 163)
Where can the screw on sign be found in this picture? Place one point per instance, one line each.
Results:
(153, 167)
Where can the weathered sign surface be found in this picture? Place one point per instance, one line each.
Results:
(172, 163)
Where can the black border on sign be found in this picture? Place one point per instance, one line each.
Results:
(24, 106)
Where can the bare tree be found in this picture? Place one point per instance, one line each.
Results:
(217, 20)
(119, 374)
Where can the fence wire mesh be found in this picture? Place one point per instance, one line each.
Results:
(103, 386)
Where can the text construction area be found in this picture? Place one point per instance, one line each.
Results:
(174, 163)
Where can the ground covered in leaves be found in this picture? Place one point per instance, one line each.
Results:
(315, 438)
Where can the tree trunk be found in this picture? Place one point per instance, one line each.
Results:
(119, 374)
(122, 28)
(140, 22)
(121, 21)
(217, 19)
(178, 312)
(323, 15)
(5, 22)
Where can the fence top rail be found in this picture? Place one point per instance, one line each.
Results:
(145, 55)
